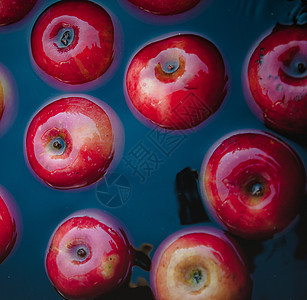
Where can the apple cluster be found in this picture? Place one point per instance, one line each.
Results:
(252, 182)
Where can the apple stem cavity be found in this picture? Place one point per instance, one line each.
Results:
(297, 68)
(58, 146)
(170, 67)
(197, 276)
(142, 260)
(257, 190)
(81, 253)
(65, 37)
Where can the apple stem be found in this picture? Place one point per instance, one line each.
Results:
(142, 260)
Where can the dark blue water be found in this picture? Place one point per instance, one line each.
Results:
(146, 201)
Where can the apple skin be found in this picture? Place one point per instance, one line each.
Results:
(252, 184)
(88, 255)
(218, 263)
(8, 224)
(165, 7)
(1, 101)
(73, 41)
(277, 80)
(70, 143)
(177, 82)
(14, 10)
(8, 99)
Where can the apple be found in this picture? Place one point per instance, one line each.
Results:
(8, 99)
(8, 224)
(177, 82)
(199, 263)
(89, 255)
(165, 7)
(276, 80)
(253, 184)
(71, 142)
(12, 11)
(1, 101)
(73, 41)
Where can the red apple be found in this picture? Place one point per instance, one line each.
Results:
(70, 142)
(200, 263)
(165, 7)
(8, 224)
(1, 101)
(8, 99)
(252, 184)
(177, 82)
(12, 11)
(277, 80)
(72, 41)
(88, 255)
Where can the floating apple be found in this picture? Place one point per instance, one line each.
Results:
(12, 11)
(88, 255)
(73, 41)
(70, 142)
(253, 184)
(8, 99)
(277, 80)
(200, 263)
(178, 82)
(1, 101)
(165, 7)
(8, 225)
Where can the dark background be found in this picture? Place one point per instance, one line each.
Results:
(150, 211)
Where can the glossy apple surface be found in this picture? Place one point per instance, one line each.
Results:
(89, 255)
(1, 101)
(253, 183)
(200, 263)
(12, 11)
(8, 225)
(277, 80)
(8, 99)
(178, 82)
(73, 41)
(70, 143)
(165, 7)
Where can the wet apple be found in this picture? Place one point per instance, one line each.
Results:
(253, 184)
(200, 263)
